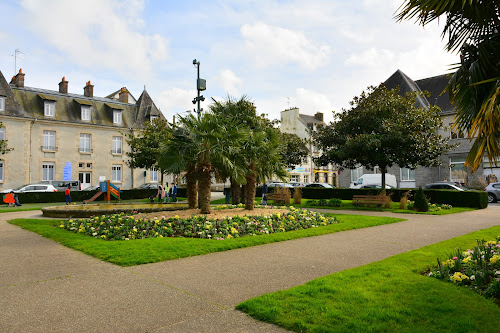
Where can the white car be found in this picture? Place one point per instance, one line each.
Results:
(323, 185)
(32, 188)
(277, 184)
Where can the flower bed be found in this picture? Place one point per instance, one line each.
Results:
(125, 227)
(477, 269)
(432, 207)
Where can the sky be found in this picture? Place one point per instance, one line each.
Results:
(315, 55)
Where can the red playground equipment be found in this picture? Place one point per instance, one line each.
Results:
(108, 190)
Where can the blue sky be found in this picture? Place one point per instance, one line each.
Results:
(315, 55)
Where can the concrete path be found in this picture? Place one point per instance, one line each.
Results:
(46, 287)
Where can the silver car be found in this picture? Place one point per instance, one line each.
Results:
(493, 190)
(32, 188)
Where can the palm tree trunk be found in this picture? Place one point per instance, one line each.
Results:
(250, 187)
(191, 188)
(204, 183)
(235, 192)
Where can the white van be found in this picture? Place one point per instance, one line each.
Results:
(375, 179)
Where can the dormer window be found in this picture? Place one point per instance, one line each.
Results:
(49, 108)
(85, 113)
(117, 117)
(2, 103)
(152, 118)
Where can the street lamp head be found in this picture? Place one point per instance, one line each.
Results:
(196, 62)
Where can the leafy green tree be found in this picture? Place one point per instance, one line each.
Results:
(145, 147)
(472, 27)
(294, 149)
(421, 201)
(3, 145)
(383, 128)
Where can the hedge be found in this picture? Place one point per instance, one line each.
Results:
(37, 197)
(474, 199)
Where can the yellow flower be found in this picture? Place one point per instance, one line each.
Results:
(459, 277)
(229, 236)
(61, 226)
(176, 216)
(495, 258)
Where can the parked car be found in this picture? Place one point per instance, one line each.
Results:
(445, 186)
(387, 187)
(493, 190)
(148, 186)
(278, 184)
(62, 185)
(92, 188)
(374, 179)
(323, 185)
(297, 184)
(32, 188)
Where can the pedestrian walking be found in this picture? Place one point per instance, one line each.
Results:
(161, 193)
(174, 192)
(168, 193)
(67, 194)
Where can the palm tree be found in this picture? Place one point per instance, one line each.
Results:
(472, 27)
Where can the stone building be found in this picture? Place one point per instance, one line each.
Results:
(452, 164)
(299, 124)
(56, 135)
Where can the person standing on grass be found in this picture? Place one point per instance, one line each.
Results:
(160, 191)
(168, 192)
(67, 193)
(174, 192)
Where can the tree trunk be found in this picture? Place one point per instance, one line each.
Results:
(242, 194)
(250, 187)
(191, 187)
(383, 169)
(235, 192)
(204, 183)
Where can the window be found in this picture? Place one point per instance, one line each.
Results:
(117, 145)
(407, 174)
(49, 140)
(1, 170)
(116, 175)
(117, 117)
(457, 169)
(85, 143)
(49, 108)
(356, 173)
(153, 175)
(85, 112)
(152, 118)
(2, 103)
(81, 165)
(2, 133)
(456, 134)
(48, 171)
(89, 165)
(306, 178)
(294, 178)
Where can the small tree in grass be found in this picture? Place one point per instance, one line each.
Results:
(297, 196)
(421, 201)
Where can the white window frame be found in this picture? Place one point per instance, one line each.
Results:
(295, 178)
(49, 108)
(2, 103)
(117, 117)
(117, 145)
(85, 143)
(459, 163)
(456, 135)
(48, 170)
(152, 118)
(85, 113)
(306, 179)
(358, 172)
(2, 133)
(116, 173)
(153, 175)
(407, 175)
(2, 170)
(49, 140)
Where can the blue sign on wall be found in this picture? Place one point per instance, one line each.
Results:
(67, 171)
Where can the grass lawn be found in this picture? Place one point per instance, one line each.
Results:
(142, 251)
(387, 296)
(347, 204)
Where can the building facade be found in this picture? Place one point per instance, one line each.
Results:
(452, 164)
(56, 135)
(299, 124)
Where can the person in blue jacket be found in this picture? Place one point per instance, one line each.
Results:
(174, 192)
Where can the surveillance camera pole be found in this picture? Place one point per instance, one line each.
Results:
(200, 86)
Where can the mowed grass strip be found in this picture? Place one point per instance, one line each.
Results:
(150, 250)
(387, 296)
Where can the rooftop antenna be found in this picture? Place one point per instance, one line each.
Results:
(15, 55)
(288, 98)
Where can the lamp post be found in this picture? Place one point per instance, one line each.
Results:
(201, 85)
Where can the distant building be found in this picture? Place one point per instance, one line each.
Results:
(58, 135)
(296, 123)
(452, 168)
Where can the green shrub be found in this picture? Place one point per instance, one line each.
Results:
(322, 202)
(421, 201)
(334, 202)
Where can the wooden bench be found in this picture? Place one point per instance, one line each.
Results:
(276, 196)
(366, 200)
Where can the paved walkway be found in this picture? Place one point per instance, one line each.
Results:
(46, 287)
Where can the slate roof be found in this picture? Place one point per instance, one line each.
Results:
(28, 102)
(306, 119)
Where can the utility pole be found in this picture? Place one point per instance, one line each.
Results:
(201, 85)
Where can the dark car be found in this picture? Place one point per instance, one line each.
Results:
(445, 186)
(493, 190)
(322, 185)
(149, 186)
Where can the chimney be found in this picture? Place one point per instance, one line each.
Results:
(319, 116)
(88, 90)
(63, 86)
(124, 95)
(18, 80)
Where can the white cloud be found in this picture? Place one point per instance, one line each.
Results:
(178, 101)
(230, 82)
(98, 34)
(275, 45)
